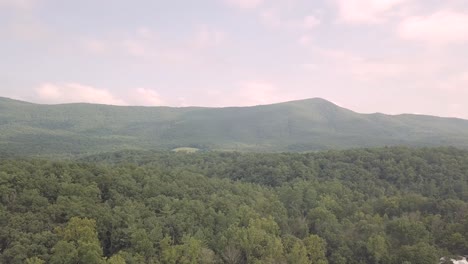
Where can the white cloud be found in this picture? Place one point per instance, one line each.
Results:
(442, 27)
(245, 4)
(366, 11)
(75, 93)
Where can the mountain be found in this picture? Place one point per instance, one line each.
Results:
(305, 125)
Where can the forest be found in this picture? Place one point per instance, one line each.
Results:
(387, 205)
(28, 129)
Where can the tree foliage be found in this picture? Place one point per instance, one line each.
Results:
(389, 205)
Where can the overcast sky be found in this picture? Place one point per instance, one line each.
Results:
(390, 56)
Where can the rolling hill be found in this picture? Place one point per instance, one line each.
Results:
(305, 125)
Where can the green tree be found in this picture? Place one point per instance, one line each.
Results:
(316, 249)
(79, 243)
(35, 260)
(377, 247)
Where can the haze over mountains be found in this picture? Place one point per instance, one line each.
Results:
(305, 125)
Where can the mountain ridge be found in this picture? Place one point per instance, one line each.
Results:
(301, 125)
(291, 102)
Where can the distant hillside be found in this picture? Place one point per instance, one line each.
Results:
(306, 125)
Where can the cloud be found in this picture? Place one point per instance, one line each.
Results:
(29, 30)
(245, 4)
(257, 92)
(366, 11)
(362, 68)
(140, 42)
(244, 93)
(147, 97)
(208, 37)
(310, 22)
(133, 46)
(305, 40)
(273, 19)
(137, 48)
(95, 46)
(270, 18)
(442, 27)
(455, 91)
(143, 44)
(253, 92)
(57, 93)
(75, 93)
(19, 4)
(146, 33)
(457, 83)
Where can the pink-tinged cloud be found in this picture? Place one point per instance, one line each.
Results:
(95, 46)
(28, 28)
(366, 11)
(21, 4)
(244, 93)
(207, 37)
(75, 93)
(273, 19)
(442, 27)
(54, 93)
(137, 48)
(457, 84)
(257, 92)
(146, 33)
(383, 69)
(270, 18)
(305, 40)
(245, 4)
(310, 22)
(146, 97)
(144, 44)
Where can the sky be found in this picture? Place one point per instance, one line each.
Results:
(388, 56)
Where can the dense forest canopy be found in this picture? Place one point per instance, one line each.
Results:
(387, 205)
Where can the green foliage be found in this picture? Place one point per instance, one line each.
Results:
(116, 259)
(316, 249)
(34, 260)
(307, 125)
(258, 242)
(78, 243)
(385, 206)
(421, 253)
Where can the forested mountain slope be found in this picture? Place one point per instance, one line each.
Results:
(388, 206)
(307, 125)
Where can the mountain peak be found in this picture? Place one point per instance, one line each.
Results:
(314, 100)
